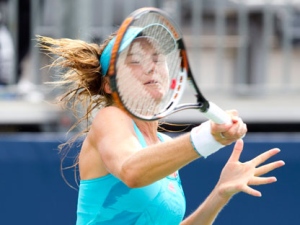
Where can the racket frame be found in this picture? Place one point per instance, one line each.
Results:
(201, 104)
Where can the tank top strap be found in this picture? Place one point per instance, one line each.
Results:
(141, 137)
(160, 136)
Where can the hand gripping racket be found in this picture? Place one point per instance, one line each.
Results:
(148, 68)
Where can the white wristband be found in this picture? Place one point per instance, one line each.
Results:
(203, 141)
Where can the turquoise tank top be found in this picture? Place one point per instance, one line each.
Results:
(108, 201)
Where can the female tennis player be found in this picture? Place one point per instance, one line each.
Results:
(129, 170)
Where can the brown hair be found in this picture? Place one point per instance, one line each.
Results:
(82, 83)
(81, 80)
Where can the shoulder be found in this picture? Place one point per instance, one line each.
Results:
(109, 120)
(111, 115)
(110, 111)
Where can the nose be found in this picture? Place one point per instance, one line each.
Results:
(149, 66)
(150, 71)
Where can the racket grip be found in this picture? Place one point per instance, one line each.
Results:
(216, 114)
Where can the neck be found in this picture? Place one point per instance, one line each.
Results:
(148, 129)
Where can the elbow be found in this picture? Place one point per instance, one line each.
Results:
(132, 177)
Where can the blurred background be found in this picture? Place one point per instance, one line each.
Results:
(245, 55)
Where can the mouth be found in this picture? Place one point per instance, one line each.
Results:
(150, 82)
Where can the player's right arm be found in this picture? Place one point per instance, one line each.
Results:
(113, 136)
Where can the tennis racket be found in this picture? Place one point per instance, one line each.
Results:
(149, 68)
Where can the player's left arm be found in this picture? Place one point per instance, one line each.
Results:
(235, 177)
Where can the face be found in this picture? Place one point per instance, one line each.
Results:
(148, 67)
(142, 77)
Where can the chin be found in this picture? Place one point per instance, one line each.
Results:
(157, 95)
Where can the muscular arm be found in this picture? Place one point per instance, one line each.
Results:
(113, 135)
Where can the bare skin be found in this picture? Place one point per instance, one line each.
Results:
(106, 151)
(148, 66)
(112, 147)
(235, 177)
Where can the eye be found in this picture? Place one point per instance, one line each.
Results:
(158, 58)
(134, 59)
(135, 62)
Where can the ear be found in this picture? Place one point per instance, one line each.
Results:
(107, 88)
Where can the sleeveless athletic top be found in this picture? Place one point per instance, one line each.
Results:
(108, 201)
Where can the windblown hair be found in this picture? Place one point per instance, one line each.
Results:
(80, 79)
(81, 76)
(82, 83)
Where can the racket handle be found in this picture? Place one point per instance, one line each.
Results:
(216, 114)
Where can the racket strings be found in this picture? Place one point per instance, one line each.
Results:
(158, 32)
(132, 92)
(148, 87)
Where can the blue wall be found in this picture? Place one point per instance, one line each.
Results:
(33, 192)
(279, 204)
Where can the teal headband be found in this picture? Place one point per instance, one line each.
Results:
(161, 34)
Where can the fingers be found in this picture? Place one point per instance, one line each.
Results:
(237, 150)
(265, 156)
(232, 112)
(218, 131)
(239, 177)
(262, 180)
(268, 167)
(251, 191)
(229, 133)
(220, 128)
(237, 130)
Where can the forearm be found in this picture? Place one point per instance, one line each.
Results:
(158, 161)
(207, 212)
